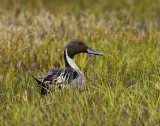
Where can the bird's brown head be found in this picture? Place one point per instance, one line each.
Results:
(77, 46)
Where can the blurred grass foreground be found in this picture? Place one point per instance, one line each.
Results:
(123, 87)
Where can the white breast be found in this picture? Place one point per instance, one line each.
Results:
(71, 61)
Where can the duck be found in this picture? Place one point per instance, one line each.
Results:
(71, 74)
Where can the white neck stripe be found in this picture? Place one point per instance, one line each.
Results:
(71, 61)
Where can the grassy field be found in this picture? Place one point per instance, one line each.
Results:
(123, 87)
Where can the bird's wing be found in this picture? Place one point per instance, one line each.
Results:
(51, 75)
(59, 77)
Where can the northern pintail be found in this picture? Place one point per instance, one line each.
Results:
(71, 75)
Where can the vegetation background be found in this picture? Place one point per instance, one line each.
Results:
(123, 87)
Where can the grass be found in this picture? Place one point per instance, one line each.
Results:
(123, 87)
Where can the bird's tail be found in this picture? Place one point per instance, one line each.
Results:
(38, 81)
(43, 87)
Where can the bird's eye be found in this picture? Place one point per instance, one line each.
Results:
(79, 43)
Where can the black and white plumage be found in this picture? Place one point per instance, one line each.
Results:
(71, 75)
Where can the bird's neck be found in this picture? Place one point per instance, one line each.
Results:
(69, 62)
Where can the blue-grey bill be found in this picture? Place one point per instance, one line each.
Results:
(90, 51)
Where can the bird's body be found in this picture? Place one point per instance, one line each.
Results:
(71, 75)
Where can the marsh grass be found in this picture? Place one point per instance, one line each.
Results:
(123, 87)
